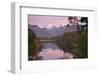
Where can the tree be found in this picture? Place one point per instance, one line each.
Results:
(83, 45)
(34, 44)
(31, 43)
(74, 42)
(84, 20)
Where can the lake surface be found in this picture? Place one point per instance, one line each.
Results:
(51, 51)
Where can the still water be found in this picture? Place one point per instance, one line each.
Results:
(51, 51)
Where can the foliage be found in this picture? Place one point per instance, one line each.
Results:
(83, 45)
(34, 44)
(74, 42)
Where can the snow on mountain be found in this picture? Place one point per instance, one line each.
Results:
(50, 30)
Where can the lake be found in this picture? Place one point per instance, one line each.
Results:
(51, 51)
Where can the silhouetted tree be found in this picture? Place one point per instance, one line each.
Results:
(84, 20)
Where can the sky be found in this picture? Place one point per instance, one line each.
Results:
(41, 20)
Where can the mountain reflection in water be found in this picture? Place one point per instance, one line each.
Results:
(52, 51)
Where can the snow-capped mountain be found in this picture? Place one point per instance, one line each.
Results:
(49, 26)
(50, 30)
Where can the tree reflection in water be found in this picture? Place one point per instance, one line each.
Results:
(52, 51)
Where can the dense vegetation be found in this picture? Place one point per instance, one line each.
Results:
(74, 42)
(34, 44)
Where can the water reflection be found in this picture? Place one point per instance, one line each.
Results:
(52, 51)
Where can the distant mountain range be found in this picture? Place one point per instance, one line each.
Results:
(50, 31)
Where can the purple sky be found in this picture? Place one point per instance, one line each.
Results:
(47, 20)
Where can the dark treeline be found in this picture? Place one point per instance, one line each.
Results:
(75, 43)
(34, 45)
